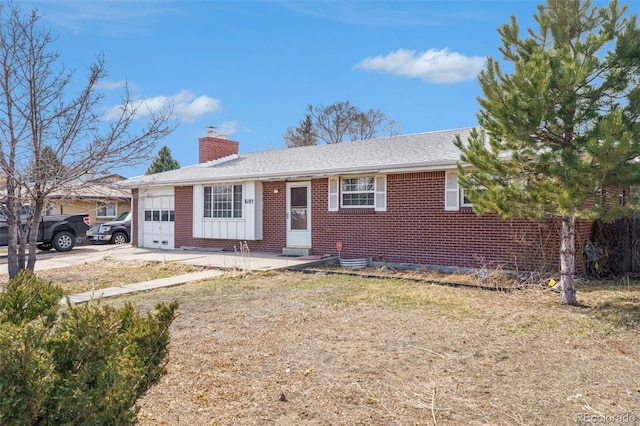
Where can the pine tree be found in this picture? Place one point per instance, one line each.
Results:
(304, 135)
(163, 162)
(562, 128)
(47, 165)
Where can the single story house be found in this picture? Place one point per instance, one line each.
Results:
(393, 199)
(102, 198)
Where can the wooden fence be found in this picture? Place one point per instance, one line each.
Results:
(615, 249)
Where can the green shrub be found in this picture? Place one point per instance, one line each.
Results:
(82, 365)
(27, 298)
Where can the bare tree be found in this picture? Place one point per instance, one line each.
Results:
(369, 124)
(338, 122)
(334, 121)
(39, 120)
(303, 135)
(390, 128)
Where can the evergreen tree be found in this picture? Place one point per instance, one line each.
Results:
(304, 135)
(163, 162)
(562, 128)
(47, 165)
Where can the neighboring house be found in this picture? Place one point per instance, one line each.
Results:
(394, 199)
(101, 198)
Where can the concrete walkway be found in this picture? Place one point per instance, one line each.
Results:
(142, 286)
(216, 262)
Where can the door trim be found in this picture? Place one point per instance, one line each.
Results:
(298, 237)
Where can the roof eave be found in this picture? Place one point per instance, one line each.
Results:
(387, 169)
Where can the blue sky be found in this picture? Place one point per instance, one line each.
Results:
(250, 68)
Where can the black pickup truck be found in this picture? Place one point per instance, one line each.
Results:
(59, 231)
(118, 231)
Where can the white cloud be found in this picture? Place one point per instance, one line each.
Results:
(186, 106)
(111, 85)
(433, 66)
(228, 127)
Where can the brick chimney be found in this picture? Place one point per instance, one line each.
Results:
(212, 147)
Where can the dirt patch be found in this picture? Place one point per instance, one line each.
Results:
(292, 348)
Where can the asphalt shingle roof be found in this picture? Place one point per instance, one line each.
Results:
(419, 151)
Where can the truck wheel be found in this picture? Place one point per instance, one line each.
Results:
(45, 246)
(119, 238)
(63, 241)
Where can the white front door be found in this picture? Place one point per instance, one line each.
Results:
(299, 214)
(158, 224)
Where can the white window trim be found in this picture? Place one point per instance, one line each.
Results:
(99, 206)
(462, 202)
(457, 192)
(334, 201)
(230, 218)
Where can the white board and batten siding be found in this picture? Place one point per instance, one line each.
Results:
(247, 227)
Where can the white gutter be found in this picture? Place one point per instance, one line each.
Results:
(431, 166)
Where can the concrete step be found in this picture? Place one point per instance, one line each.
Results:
(296, 251)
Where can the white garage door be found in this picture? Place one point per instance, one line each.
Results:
(158, 225)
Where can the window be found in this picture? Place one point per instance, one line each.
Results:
(358, 192)
(465, 201)
(159, 215)
(106, 210)
(223, 201)
(454, 196)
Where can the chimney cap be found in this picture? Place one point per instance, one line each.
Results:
(211, 131)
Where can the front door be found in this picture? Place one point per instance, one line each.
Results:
(299, 214)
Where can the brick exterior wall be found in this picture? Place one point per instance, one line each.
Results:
(415, 229)
(184, 216)
(211, 148)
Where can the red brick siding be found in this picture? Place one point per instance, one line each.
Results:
(417, 229)
(183, 205)
(210, 148)
(274, 224)
(414, 229)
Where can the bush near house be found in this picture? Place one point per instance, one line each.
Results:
(84, 365)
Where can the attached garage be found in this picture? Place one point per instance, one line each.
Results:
(156, 208)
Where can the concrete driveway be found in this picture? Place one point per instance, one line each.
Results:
(216, 261)
(219, 260)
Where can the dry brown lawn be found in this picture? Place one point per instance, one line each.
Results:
(312, 349)
(110, 272)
